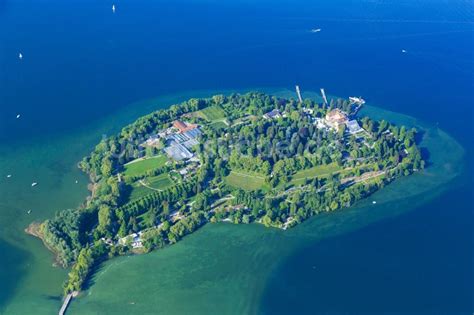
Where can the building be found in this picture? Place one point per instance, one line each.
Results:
(273, 114)
(353, 127)
(178, 151)
(319, 122)
(134, 239)
(152, 141)
(336, 118)
(182, 126)
(178, 144)
(356, 100)
(308, 111)
(193, 133)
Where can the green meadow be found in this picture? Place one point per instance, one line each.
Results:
(141, 166)
(244, 180)
(213, 113)
(317, 171)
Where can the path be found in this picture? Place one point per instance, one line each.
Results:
(149, 187)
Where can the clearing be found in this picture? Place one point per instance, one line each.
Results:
(146, 186)
(244, 180)
(213, 113)
(218, 125)
(317, 171)
(141, 166)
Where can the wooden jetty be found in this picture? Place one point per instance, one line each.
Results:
(66, 302)
(323, 95)
(298, 92)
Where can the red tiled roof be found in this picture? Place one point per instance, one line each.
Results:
(179, 124)
(183, 127)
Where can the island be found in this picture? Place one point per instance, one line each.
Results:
(251, 158)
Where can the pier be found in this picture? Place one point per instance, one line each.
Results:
(358, 101)
(298, 92)
(323, 95)
(66, 302)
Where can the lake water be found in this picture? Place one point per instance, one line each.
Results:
(85, 71)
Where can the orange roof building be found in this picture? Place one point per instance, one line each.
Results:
(182, 126)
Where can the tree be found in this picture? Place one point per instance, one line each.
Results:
(106, 217)
(341, 130)
(106, 168)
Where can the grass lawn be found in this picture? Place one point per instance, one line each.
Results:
(246, 181)
(218, 125)
(317, 171)
(139, 191)
(161, 181)
(213, 113)
(154, 183)
(141, 166)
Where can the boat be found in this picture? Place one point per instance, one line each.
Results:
(9, 176)
(20, 56)
(18, 116)
(374, 202)
(404, 51)
(113, 8)
(315, 30)
(77, 181)
(29, 211)
(34, 184)
(356, 100)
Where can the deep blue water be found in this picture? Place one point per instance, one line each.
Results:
(417, 263)
(81, 62)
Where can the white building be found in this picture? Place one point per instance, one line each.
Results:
(134, 239)
(353, 127)
(273, 114)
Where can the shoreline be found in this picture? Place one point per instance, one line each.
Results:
(34, 229)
